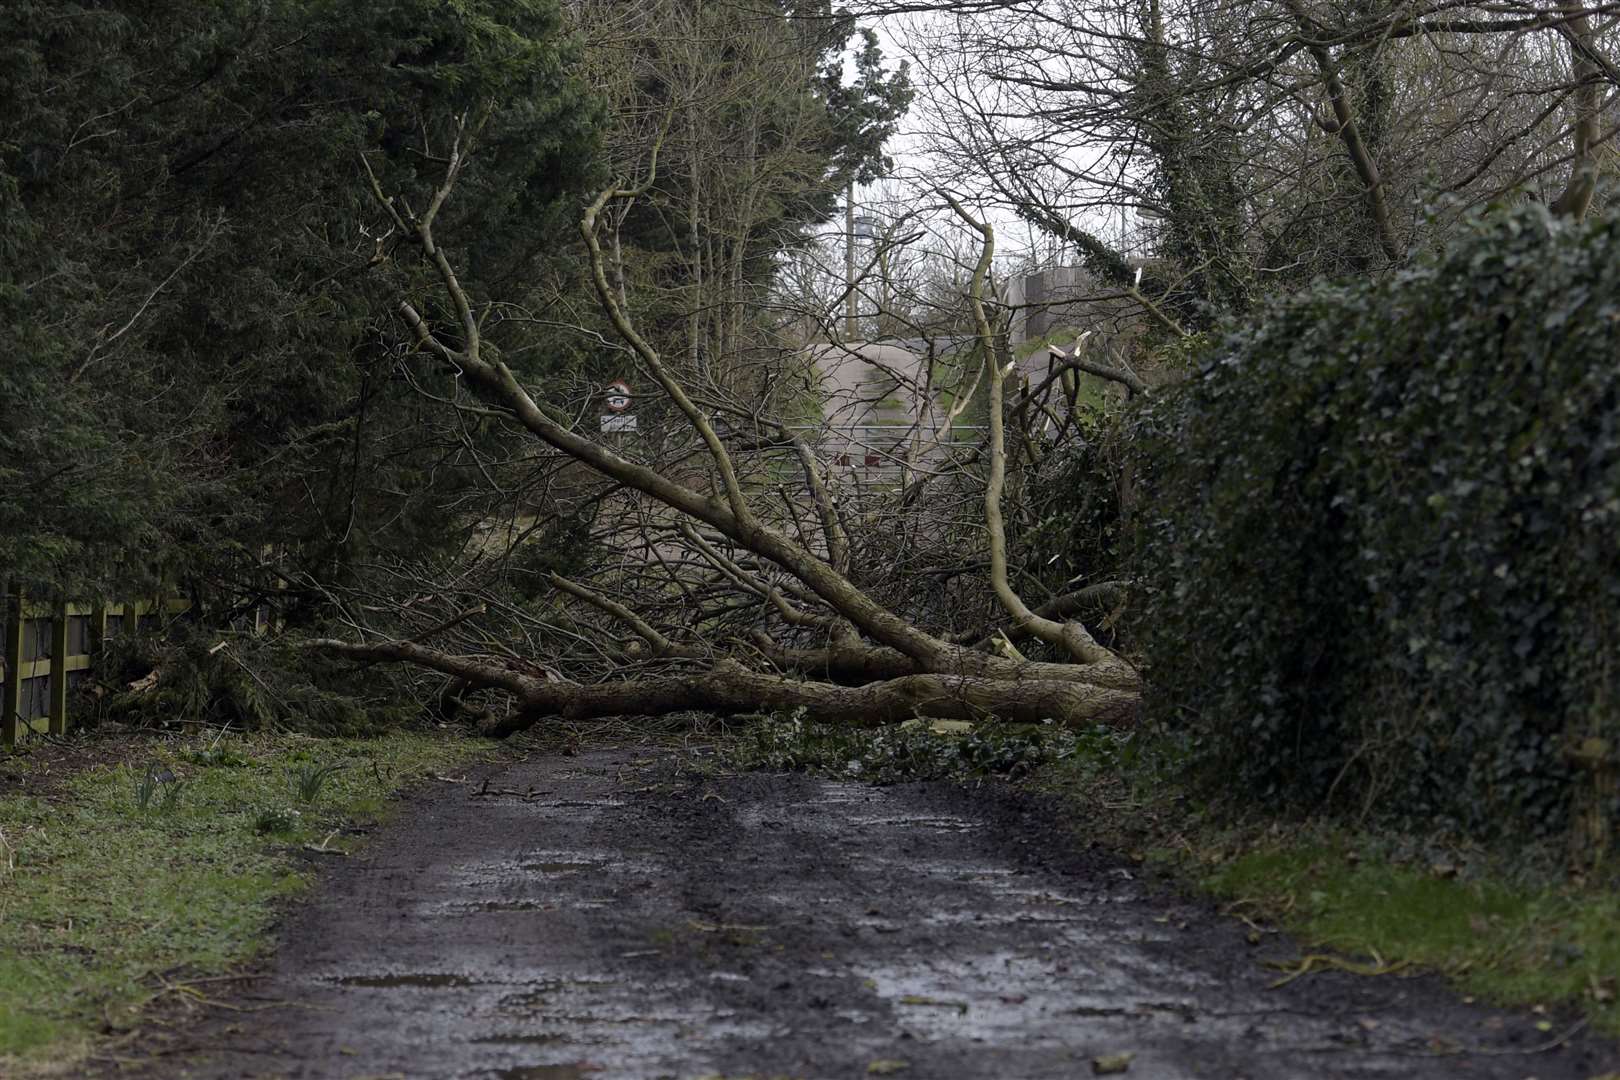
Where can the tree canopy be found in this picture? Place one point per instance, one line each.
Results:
(191, 294)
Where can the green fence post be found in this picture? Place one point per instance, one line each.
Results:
(98, 630)
(59, 671)
(11, 699)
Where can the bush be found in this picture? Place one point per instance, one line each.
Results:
(1380, 540)
(1073, 495)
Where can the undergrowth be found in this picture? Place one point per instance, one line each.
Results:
(138, 879)
(944, 750)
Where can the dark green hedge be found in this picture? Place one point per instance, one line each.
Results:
(1380, 540)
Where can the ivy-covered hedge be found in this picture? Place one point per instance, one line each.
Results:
(1381, 536)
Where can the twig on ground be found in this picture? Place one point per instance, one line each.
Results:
(1314, 962)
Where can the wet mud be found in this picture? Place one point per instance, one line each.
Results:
(625, 921)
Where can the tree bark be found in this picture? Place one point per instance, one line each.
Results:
(1070, 636)
(1349, 131)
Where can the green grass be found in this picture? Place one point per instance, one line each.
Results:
(103, 903)
(1092, 392)
(1512, 942)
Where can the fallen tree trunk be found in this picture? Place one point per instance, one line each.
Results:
(847, 665)
(858, 664)
(730, 688)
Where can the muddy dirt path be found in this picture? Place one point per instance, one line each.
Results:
(618, 923)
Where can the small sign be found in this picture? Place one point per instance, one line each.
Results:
(618, 396)
(619, 423)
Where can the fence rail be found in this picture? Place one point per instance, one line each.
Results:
(49, 648)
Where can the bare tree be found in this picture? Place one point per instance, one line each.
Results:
(1246, 148)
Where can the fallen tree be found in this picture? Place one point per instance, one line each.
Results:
(724, 599)
(730, 688)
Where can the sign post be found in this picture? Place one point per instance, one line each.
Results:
(619, 419)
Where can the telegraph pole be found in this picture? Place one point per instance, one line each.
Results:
(852, 325)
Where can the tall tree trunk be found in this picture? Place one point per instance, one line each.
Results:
(1585, 133)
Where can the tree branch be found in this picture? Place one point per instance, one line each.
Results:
(1070, 637)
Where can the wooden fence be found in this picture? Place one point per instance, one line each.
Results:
(49, 648)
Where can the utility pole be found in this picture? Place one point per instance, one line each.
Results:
(852, 324)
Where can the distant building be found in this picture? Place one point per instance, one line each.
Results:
(882, 404)
(1047, 300)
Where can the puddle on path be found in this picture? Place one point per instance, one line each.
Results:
(541, 992)
(541, 866)
(834, 793)
(1042, 1005)
(458, 907)
(919, 821)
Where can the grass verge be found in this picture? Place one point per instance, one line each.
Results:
(1509, 937)
(127, 881)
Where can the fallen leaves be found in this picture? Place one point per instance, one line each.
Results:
(1112, 1064)
(938, 1003)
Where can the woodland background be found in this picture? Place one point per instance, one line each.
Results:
(1320, 484)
